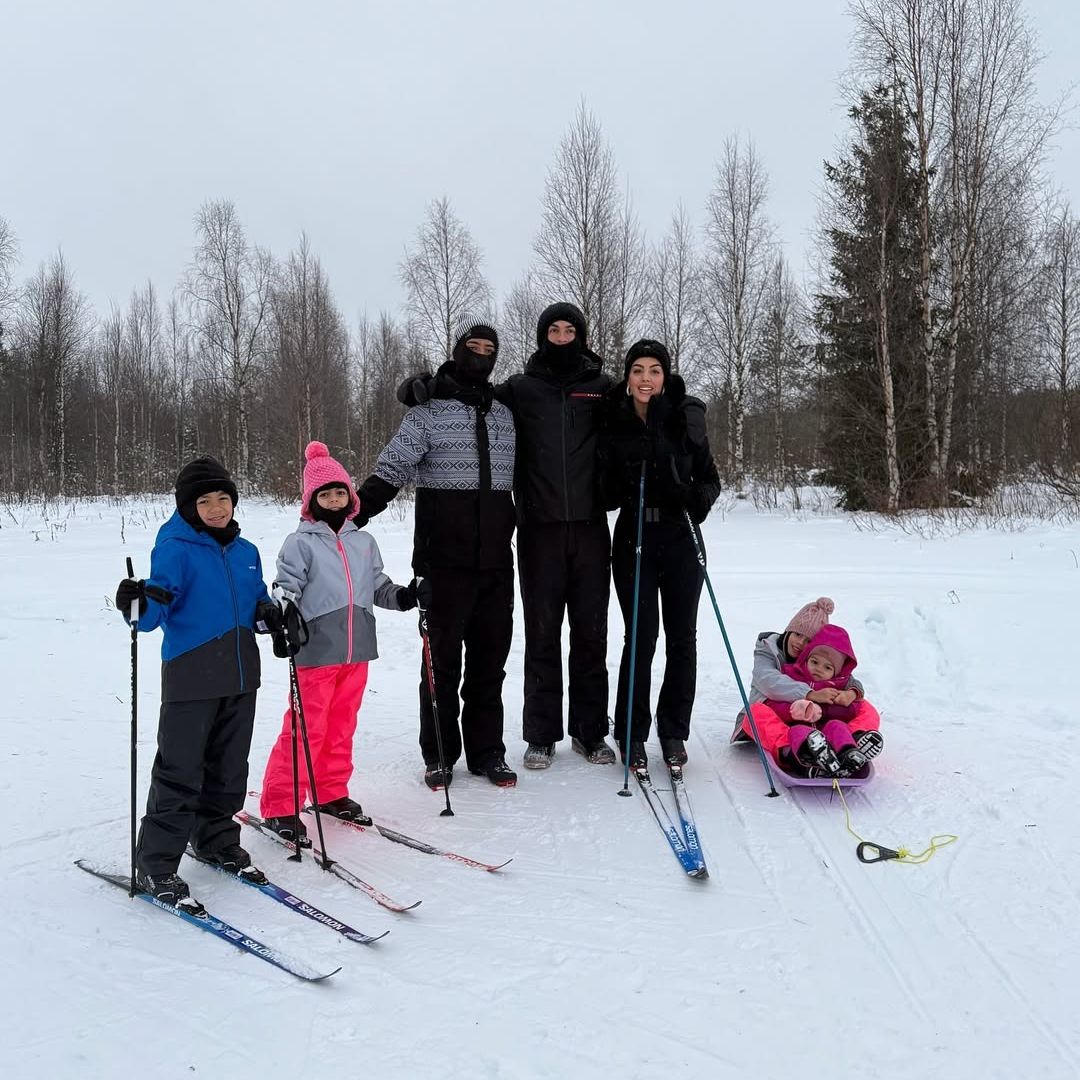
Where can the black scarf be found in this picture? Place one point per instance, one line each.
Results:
(477, 395)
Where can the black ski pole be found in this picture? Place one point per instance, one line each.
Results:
(295, 856)
(625, 789)
(700, 551)
(133, 618)
(429, 666)
(324, 859)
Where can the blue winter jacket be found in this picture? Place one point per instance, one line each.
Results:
(209, 648)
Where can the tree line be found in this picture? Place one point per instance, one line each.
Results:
(930, 357)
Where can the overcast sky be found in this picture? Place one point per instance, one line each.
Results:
(345, 119)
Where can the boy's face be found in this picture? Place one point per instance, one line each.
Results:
(820, 667)
(795, 644)
(214, 509)
(335, 498)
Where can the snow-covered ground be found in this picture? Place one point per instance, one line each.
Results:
(591, 955)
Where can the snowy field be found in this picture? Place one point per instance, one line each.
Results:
(591, 954)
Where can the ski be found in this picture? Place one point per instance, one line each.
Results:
(686, 817)
(294, 903)
(417, 845)
(218, 927)
(692, 866)
(335, 868)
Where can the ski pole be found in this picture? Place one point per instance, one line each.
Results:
(625, 790)
(295, 856)
(700, 551)
(430, 667)
(133, 618)
(294, 689)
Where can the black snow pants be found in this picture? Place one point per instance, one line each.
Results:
(471, 610)
(198, 780)
(565, 567)
(671, 580)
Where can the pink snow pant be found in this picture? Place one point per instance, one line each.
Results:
(776, 733)
(331, 699)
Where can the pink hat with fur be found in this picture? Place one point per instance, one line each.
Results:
(810, 618)
(322, 471)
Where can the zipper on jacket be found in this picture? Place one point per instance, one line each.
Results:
(236, 616)
(565, 482)
(348, 586)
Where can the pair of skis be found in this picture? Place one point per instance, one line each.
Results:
(682, 838)
(245, 942)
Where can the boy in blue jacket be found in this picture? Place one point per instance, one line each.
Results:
(206, 591)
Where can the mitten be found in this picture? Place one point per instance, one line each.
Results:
(805, 711)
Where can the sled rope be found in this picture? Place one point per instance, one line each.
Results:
(868, 852)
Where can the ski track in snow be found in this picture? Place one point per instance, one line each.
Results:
(591, 954)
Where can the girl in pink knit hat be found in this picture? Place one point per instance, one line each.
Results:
(333, 572)
(788, 694)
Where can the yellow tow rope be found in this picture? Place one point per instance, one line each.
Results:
(868, 852)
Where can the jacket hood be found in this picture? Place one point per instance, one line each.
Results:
(836, 637)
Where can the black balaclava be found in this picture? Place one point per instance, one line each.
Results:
(566, 357)
(471, 368)
(334, 518)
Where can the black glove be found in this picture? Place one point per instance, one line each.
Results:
(421, 589)
(416, 389)
(293, 635)
(128, 591)
(406, 596)
(269, 614)
(360, 519)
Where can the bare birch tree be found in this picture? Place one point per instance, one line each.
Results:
(517, 325)
(442, 278)
(9, 255)
(578, 244)
(674, 280)
(229, 287)
(738, 256)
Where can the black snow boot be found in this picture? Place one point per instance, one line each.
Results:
(871, 743)
(816, 753)
(289, 828)
(638, 758)
(497, 771)
(674, 751)
(538, 755)
(436, 777)
(852, 760)
(233, 859)
(597, 753)
(171, 889)
(346, 809)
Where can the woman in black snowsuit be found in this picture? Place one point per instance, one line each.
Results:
(651, 421)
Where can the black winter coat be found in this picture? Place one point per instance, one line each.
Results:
(679, 468)
(557, 417)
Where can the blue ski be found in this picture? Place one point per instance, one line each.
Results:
(294, 903)
(693, 866)
(686, 817)
(219, 928)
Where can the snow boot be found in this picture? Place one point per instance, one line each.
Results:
(233, 859)
(170, 889)
(289, 828)
(346, 809)
(597, 753)
(871, 743)
(674, 751)
(437, 778)
(538, 755)
(497, 771)
(851, 759)
(638, 758)
(816, 754)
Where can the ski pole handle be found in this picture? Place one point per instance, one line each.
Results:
(133, 614)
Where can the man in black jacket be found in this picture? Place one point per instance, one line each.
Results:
(564, 547)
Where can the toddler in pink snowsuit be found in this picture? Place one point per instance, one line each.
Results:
(825, 664)
(779, 697)
(333, 572)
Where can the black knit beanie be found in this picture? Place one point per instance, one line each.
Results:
(200, 477)
(657, 350)
(560, 312)
(474, 328)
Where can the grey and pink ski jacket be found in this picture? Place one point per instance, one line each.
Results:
(336, 580)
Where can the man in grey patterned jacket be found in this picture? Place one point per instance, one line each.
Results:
(458, 449)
